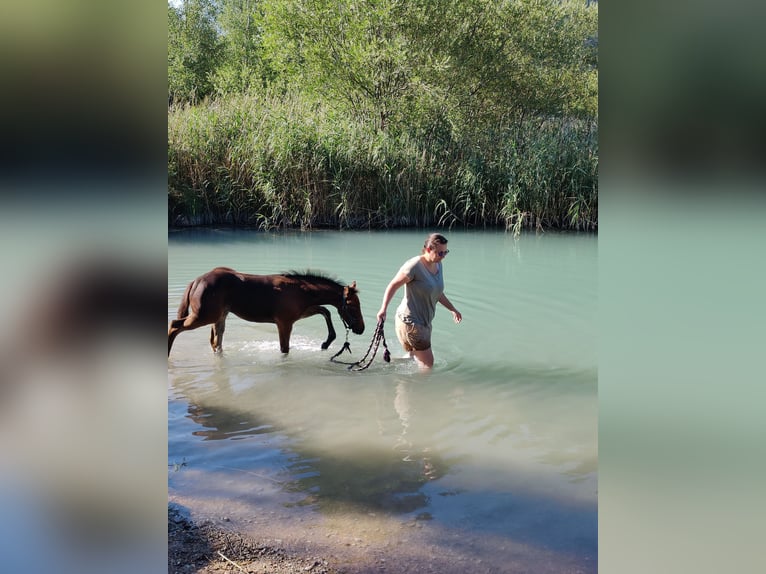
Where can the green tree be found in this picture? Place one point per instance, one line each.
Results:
(421, 62)
(194, 50)
(242, 66)
(491, 63)
(350, 52)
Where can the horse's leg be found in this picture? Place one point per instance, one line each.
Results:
(285, 329)
(182, 315)
(216, 334)
(177, 326)
(319, 310)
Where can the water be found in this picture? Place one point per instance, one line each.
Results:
(496, 447)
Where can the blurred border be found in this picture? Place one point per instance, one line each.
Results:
(681, 286)
(83, 231)
(82, 179)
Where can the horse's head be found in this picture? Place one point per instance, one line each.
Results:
(351, 309)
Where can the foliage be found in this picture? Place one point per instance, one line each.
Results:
(242, 65)
(194, 50)
(384, 113)
(282, 160)
(474, 62)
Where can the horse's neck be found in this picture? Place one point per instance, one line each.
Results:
(327, 295)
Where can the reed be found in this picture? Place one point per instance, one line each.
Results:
(276, 161)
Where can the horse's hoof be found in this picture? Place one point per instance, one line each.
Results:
(325, 345)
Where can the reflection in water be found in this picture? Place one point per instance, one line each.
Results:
(375, 441)
(335, 473)
(499, 440)
(405, 446)
(402, 407)
(386, 478)
(377, 480)
(225, 424)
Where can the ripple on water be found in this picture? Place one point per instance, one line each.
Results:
(498, 443)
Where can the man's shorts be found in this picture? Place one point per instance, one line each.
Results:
(413, 337)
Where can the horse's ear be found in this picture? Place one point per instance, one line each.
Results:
(353, 285)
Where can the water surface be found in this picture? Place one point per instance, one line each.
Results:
(496, 447)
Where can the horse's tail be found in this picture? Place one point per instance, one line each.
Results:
(183, 308)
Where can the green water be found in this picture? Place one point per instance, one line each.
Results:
(499, 439)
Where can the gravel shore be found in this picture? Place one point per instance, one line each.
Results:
(206, 548)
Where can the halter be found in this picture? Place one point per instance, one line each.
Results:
(360, 365)
(343, 307)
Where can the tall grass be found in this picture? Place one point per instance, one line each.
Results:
(285, 162)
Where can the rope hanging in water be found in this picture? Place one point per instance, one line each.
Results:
(364, 362)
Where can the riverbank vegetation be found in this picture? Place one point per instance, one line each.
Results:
(383, 113)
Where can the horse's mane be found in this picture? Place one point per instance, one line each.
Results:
(317, 276)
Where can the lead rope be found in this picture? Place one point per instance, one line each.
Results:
(361, 365)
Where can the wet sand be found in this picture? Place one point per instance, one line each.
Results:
(210, 536)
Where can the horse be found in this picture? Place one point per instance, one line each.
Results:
(282, 299)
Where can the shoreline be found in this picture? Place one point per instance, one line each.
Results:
(213, 539)
(206, 548)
